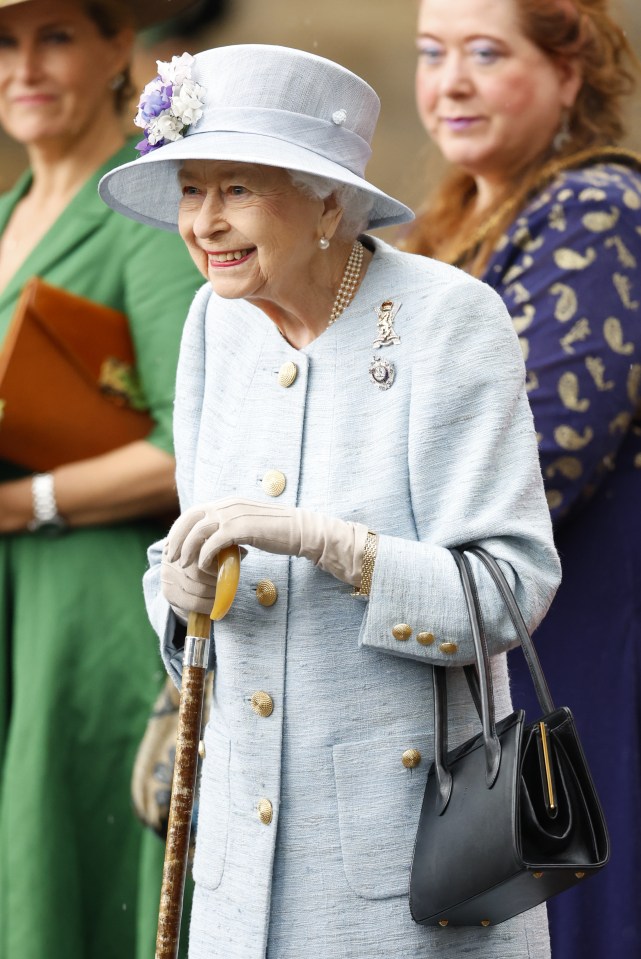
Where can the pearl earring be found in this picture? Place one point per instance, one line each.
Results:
(323, 243)
(117, 82)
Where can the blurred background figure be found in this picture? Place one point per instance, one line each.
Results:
(197, 28)
(79, 668)
(524, 100)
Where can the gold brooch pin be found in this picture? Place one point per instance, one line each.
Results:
(387, 335)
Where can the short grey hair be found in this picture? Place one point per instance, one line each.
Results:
(355, 203)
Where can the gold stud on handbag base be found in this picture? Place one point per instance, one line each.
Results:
(446, 922)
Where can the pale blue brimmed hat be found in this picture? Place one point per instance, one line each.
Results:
(262, 104)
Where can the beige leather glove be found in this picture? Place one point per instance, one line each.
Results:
(187, 589)
(332, 544)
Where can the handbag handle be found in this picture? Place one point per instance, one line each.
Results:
(483, 687)
(480, 680)
(541, 687)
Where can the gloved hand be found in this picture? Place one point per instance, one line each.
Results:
(187, 589)
(332, 544)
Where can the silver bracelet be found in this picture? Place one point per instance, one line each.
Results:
(45, 508)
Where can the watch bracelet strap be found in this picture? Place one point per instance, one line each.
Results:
(45, 508)
(367, 568)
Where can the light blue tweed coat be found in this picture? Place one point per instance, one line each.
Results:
(445, 456)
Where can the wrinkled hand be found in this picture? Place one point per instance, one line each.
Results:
(332, 544)
(187, 589)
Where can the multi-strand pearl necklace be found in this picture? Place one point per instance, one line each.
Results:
(351, 276)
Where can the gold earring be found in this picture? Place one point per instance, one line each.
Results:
(563, 135)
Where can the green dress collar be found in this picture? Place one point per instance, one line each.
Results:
(84, 213)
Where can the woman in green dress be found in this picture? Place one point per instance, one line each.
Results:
(79, 668)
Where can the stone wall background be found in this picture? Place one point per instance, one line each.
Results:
(374, 38)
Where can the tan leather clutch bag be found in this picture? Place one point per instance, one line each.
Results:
(68, 386)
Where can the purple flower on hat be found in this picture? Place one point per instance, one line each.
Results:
(156, 97)
(169, 104)
(144, 147)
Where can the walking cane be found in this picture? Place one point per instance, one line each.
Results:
(195, 661)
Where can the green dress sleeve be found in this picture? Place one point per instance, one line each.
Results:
(160, 281)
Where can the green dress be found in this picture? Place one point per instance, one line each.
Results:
(79, 667)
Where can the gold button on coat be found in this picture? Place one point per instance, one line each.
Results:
(401, 631)
(448, 647)
(265, 811)
(425, 639)
(411, 758)
(287, 374)
(274, 482)
(262, 703)
(266, 593)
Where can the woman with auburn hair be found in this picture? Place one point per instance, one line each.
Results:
(524, 99)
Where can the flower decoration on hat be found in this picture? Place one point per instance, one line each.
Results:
(170, 103)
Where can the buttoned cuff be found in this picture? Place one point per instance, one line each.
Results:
(417, 609)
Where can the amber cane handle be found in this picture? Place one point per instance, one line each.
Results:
(195, 661)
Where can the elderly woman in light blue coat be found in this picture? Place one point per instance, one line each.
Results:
(345, 413)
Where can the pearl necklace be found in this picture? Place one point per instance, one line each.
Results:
(351, 276)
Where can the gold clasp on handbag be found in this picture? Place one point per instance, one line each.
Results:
(547, 765)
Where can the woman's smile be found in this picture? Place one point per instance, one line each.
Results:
(227, 258)
(460, 124)
(34, 99)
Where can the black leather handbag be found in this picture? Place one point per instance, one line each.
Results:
(510, 817)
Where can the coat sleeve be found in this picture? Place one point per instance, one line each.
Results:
(190, 381)
(474, 477)
(574, 293)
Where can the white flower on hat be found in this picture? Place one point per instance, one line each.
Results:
(164, 128)
(177, 71)
(187, 103)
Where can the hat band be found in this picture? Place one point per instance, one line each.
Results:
(329, 140)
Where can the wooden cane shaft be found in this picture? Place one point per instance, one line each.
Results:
(186, 762)
(180, 811)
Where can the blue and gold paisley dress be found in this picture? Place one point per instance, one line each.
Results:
(569, 271)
